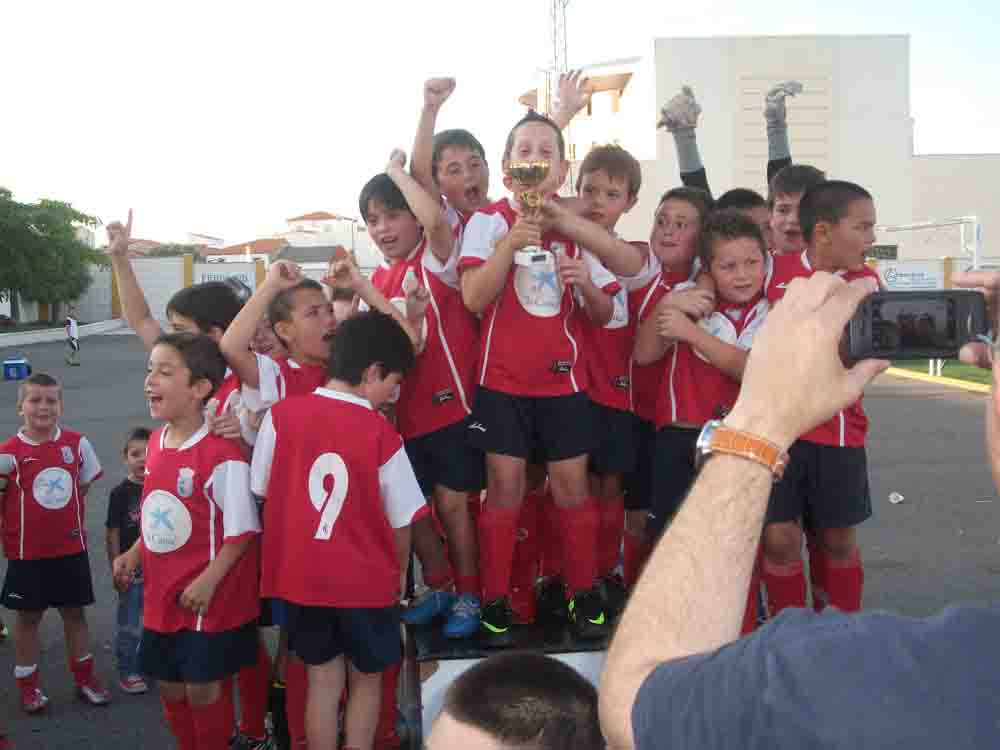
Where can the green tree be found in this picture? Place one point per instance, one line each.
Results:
(171, 250)
(40, 255)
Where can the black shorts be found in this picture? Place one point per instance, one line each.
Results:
(825, 486)
(614, 441)
(639, 483)
(368, 637)
(448, 458)
(36, 585)
(673, 474)
(551, 428)
(191, 656)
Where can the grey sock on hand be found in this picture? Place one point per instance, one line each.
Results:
(688, 157)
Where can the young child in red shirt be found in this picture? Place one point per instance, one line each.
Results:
(45, 472)
(197, 548)
(341, 498)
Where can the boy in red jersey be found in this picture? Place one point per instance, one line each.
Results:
(45, 472)
(826, 486)
(341, 499)
(532, 375)
(420, 252)
(199, 526)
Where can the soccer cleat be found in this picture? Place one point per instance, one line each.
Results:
(277, 715)
(242, 742)
(551, 602)
(464, 618)
(92, 691)
(33, 699)
(774, 102)
(613, 595)
(495, 624)
(680, 112)
(587, 619)
(133, 684)
(430, 605)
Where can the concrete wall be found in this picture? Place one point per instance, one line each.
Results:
(95, 303)
(159, 278)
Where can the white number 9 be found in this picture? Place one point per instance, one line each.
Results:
(333, 466)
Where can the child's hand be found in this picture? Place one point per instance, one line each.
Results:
(673, 324)
(119, 236)
(342, 273)
(437, 91)
(397, 160)
(225, 425)
(417, 298)
(198, 595)
(572, 94)
(524, 233)
(122, 571)
(572, 271)
(696, 303)
(284, 273)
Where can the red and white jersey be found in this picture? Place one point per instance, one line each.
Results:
(850, 426)
(279, 378)
(694, 390)
(43, 510)
(195, 499)
(333, 499)
(228, 394)
(437, 392)
(532, 339)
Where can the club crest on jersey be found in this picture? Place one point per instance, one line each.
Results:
(619, 315)
(166, 523)
(539, 289)
(67, 454)
(52, 488)
(185, 482)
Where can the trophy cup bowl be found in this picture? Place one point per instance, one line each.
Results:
(529, 175)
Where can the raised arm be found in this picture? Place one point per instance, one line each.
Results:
(620, 257)
(572, 95)
(679, 117)
(426, 207)
(779, 150)
(134, 304)
(436, 93)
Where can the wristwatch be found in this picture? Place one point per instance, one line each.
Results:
(716, 437)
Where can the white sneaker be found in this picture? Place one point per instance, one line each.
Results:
(680, 112)
(774, 102)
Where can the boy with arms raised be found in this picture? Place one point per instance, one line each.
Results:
(199, 530)
(532, 375)
(826, 484)
(341, 499)
(45, 472)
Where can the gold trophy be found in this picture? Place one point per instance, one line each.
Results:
(528, 175)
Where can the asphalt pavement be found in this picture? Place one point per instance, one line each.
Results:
(940, 545)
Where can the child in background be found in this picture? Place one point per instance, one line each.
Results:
(197, 548)
(45, 472)
(342, 498)
(122, 532)
(72, 338)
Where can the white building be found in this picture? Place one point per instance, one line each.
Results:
(852, 120)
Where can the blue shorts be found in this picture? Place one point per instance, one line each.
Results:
(368, 637)
(190, 656)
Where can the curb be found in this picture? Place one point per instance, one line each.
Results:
(964, 385)
(56, 334)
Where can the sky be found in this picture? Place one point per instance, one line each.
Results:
(226, 118)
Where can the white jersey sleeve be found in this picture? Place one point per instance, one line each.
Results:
(229, 488)
(270, 387)
(400, 491)
(755, 319)
(601, 276)
(7, 465)
(481, 235)
(90, 465)
(263, 455)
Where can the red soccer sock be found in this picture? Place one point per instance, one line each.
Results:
(213, 724)
(469, 585)
(253, 683)
(550, 537)
(786, 585)
(82, 669)
(296, 693)
(524, 566)
(580, 526)
(497, 527)
(610, 534)
(817, 572)
(635, 552)
(178, 718)
(440, 579)
(845, 581)
(385, 730)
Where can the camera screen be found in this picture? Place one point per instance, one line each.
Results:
(914, 324)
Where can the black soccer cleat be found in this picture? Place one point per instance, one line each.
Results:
(587, 619)
(496, 623)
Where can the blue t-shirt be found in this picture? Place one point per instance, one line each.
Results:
(871, 680)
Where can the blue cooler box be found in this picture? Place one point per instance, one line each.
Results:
(16, 368)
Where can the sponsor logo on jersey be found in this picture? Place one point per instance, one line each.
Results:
(166, 523)
(622, 381)
(52, 488)
(443, 397)
(562, 366)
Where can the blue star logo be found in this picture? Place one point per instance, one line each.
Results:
(53, 484)
(161, 517)
(544, 279)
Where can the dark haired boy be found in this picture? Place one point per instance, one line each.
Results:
(122, 531)
(197, 548)
(341, 499)
(826, 485)
(420, 252)
(533, 282)
(784, 195)
(751, 204)
(45, 472)
(518, 700)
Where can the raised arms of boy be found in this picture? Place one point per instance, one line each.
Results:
(134, 303)
(426, 207)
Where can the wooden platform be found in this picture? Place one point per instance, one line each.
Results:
(430, 643)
